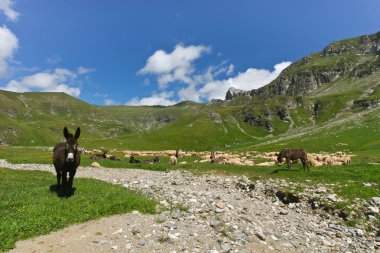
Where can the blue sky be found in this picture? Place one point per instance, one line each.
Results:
(163, 52)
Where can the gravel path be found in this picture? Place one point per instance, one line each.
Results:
(224, 214)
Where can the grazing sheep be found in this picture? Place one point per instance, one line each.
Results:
(183, 162)
(220, 160)
(173, 160)
(249, 163)
(314, 162)
(328, 160)
(99, 156)
(346, 160)
(156, 159)
(266, 164)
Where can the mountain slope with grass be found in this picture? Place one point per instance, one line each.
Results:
(326, 101)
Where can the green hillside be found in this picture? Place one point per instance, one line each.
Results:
(325, 101)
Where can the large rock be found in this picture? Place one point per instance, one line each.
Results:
(375, 201)
(233, 92)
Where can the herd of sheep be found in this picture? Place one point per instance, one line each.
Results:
(243, 158)
(236, 158)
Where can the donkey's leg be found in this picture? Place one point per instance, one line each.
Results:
(59, 175)
(64, 180)
(71, 177)
(288, 163)
(307, 165)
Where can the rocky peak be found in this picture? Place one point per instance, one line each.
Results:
(353, 58)
(363, 45)
(233, 92)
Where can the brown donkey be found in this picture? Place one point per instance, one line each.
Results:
(293, 155)
(66, 159)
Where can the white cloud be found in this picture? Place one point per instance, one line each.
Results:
(178, 66)
(54, 59)
(102, 95)
(110, 102)
(230, 69)
(189, 93)
(162, 98)
(250, 79)
(8, 46)
(57, 80)
(174, 66)
(83, 70)
(6, 7)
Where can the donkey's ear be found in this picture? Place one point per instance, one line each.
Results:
(77, 133)
(66, 133)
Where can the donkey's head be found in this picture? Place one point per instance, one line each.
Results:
(71, 144)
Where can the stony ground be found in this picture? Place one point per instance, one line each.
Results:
(205, 213)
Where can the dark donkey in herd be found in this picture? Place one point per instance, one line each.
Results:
(293, 155)
(66, 159)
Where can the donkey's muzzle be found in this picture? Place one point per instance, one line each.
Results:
(70, 157)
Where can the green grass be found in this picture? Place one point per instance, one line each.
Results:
(353, 176)
(28, 208)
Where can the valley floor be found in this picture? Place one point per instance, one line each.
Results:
(205, 213)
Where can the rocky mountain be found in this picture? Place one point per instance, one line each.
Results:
(332, 96)
(233, 92)
(352, 58)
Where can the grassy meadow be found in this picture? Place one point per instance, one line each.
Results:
(341, 115)
(29, 207)
(347, 181)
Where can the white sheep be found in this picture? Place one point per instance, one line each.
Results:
(173, 160)
(314, 162)
(266, 164)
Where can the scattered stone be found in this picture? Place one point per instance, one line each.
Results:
(332, 197)
(225, 247)
(260, 236)
(359, 232)
(174, 237)
(118, 231)
(375, 201)
(211, 213)
(220, 205)
(373, 209)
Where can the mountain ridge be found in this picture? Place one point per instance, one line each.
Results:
(244, 121)
(355, 56)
